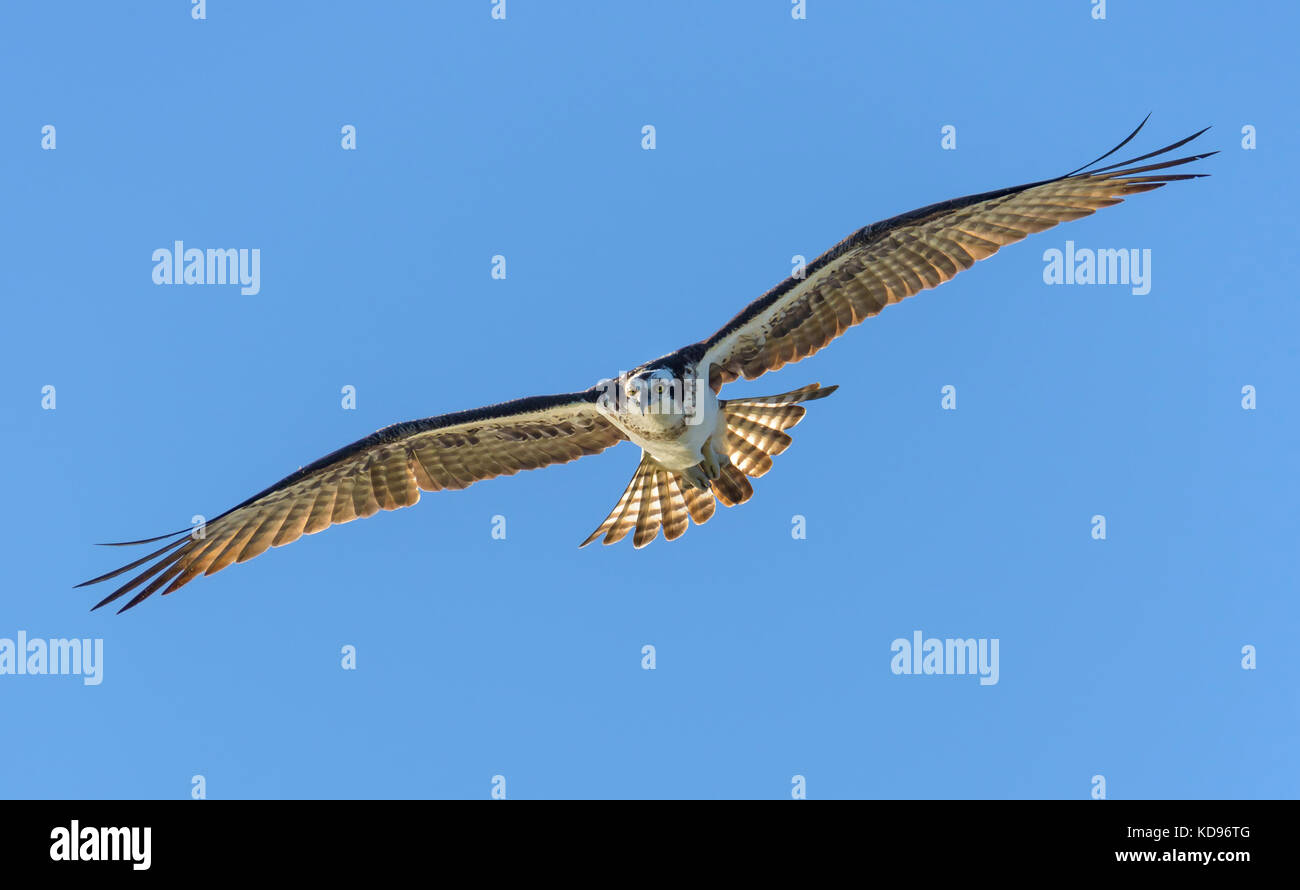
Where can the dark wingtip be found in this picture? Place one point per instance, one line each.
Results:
(147, 574)
(1127, 140)
(142, 540)
(1151, 154)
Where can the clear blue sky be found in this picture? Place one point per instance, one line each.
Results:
(522, 658)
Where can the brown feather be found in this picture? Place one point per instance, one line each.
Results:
(676, 518)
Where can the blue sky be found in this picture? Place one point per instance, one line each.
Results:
(522, 657)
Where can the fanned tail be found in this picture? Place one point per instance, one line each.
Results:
(756, 427)
(655, 498)
(661, 498)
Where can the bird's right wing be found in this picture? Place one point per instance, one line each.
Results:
(386, 470)
(898, 257)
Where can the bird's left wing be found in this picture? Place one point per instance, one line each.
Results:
(896, 258)
(383, 471)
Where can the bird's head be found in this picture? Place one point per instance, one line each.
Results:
(656, 391)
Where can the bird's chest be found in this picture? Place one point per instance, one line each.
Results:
(675, 440)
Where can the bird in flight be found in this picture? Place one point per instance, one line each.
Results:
(695, 447)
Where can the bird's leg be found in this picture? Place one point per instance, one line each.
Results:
(701, 475)
(696, 478)
(712, 467)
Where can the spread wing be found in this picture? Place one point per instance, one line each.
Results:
(898, 257)
(386, 470)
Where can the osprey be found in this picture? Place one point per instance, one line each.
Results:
(695, 447)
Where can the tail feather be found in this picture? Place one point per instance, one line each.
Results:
(650, 517)
(627, 520)
(748, 458)
(700, 503)
(755, 427)
(732, 487)
(658, 498)
(674, 506)
(777, 418)
(753, 445)
(807, 393)
(613, 527)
